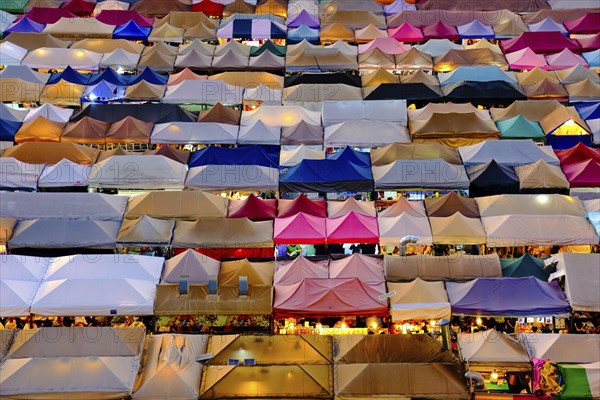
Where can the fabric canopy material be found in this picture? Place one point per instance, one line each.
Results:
(300, 228)
(223, 233)
(524, 266)
(19, 278)
(579, 271)
(511, 153)
(393, 229)
(488, 347)
(327, 176)
(418, 299)
(441, 268)
(352, 228)
(253, 208)
(198, 267)
(564, 348)
(431, 173)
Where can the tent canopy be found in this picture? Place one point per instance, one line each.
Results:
(581, 278)
(418, 299)
(491, 347)
(441, 268)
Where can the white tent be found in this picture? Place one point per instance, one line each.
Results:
(119, 58)
(510, 153)
(51, 112)
(259, 133)
(582, 279)
(288, 158)
(198, 267)
(335, 112)
(418, 299)
(6, 19)
(138, 172)
(102, 285)
(233, 177)
(365, 133)
(20, 278)
(264, 94)
(530, 204)
(110, 5)
(74, 206)
(12, 114)
(282, 116)
(563, 348)
(393, 229)
(170, 369)
(193, 59)
(65, 173)
(79, 27)
(11, 54)
(24, 73)
(433, 173)
(15, 174)
(50, 57)
(437, 47)
(194, 132)
(203, 92)
(491, 347)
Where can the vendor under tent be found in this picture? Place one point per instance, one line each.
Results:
(441, 268)
(513, 297)
(580, 272)
(20, 278)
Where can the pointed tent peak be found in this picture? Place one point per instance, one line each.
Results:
(369, 32)
(258, 273)
(520, 127)
(190, 205)
(170, 151)
(301, 204)
(293, 272)
(199, 267)
(300, 228)
(144, 91)
(524, 266)
(221, 114)
(491, 171)
(541, 175)
(364, 267)
(420, 76)
(352, 228)
(146, 230)
(268, 46)
(378, 77)
(253, 207)
(547, 25)
(451, 203)
(117, 151)
(575, 74)
(109, 75)
(87, 130)
(491, 346)
(484, 44)
(407, 33)
(70, 75)
(510, 27)
(536, 75)
(339, 208)
(579, 152)
(404, 206)
(184, 75)
(563, 116)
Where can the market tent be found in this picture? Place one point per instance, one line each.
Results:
(565, 59)
(457, 229)
(300, 228)
(222, 233)
(366, 133)
(576, 74)
(492, 178)
(580, 279)
(511, 153)
(292, 272)
(10, 114)
(156, 8)
(387, 45)
(167, 33)
(454, 129)
(63, 94)
(456, 58)
(328, 175)
(301, 204)
(418, 174)
(120, 59)
(448, 204)
(144, 91)
(577, 153)
(63, 234)
(437, 47)
(533, 110)
(329, 297)
(388, 111)
(19, 279)
(303, 33)
(481, 73)
(369, 33)
(282, 116)
(582, 174)
(302, 133)
(367, 268)
(587, 24)
(547, 25)
(257, 273)
(19, 90)
(12, 54)
(545, 89)
(305, 18)
(352, 228)
(379, 76)
(491, 92)
(333, 32)
(110, 5)
(33, 41)
(253, 208)
(413, 151)
(157, 113)
(586, 90)
(540, 42)
(199, 268)
(138, 172)
(259, 133)
(203, 92)
(492, 347)
(289, 158)
(74, 206)
(406, 33)
(475, 30)
(40, 129)
(48, 15)
(339, 208)
(79, 28)
(553, 204)
(8, 129)
(16, 6)
(181, 205)
(65, 173)
(145, 231)
(209, 8)
(80, 8)
(184, 75)
(526, 59)
(524, 266)
(219, 177)
(418, 299)
(246, 28)
(457, 267)
(169, 368)
(131, 31)
(159, 57)
(590, 43)
(513, 297)
(51, 153)
(315, 93)
(129, 130)
(440, 30)
(122, 17)
(192, 132)
(581, 380)
(247, 155)
(393, 229)
(541, 177)
(563, 348)
(520, 127)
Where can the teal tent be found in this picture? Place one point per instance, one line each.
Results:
(520, 127)
(524, 266)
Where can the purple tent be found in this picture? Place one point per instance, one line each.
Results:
(304, 18)
(511, 297)
(121, 17)
(440, 30)
(48, 15)
(25, 25)
(540, 43)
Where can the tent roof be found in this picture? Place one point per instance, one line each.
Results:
(352, 228)
(393, 229)
(198, 267)
(418, 299)
(565, 59)
(581, 279)
(563, 348)
(413, 151)
(300, 228)
(16, 174)
(453, 124)
(65, 173)
(40, 129)
(520, 127)
(541, 175)
(245, 178)
(51, 153)
(252, 207)
(288, 158)
(482, 58)
(189, 205)
(85, 131)
(258, 273)
(329, 175)
(158, 8)
(530, 204)
(515, 296)
(451, 203)
(457, 229)
(401, 206)
(157, 113)
(288, 208)
(68, 27)
(129, 130)
(492, 178)
(576, 74)
(223, 233)
(506, 152)
(526, 59)
(365, 133)
(247, 155)
(302, 133)
(32, 41)
(524, 266)
(577, 153)
(533, 110)
(339, 208)
(19, 279)
(292, 272)
(145, 231)
(412, 174)
(540, 42)
(491, 347)
(437, 47)
(121, 17)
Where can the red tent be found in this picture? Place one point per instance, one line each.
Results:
(48, 15)
(540, 42)
(209, 8)
(330, 298)
(352, 228)
(590, 43)
(583, 174)
(589, 23)
(406, 33)
(440, 30)
(253, 208)
(79, 7)
(121, 17)
(287, 208)
(300, 229)
(577, 154)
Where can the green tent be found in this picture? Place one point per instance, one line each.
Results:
(13, 6)
(520, 127)
(582, 381)
(524, 266)
(276, 49)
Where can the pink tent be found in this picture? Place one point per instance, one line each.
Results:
(253, 208)
(352, 228)
(292, 272)
(330, 298)
(564, 60)
(583, 174)
(440, 30)
(526, 59)
(287, 208)
(185, 75)
(366, 268)
(406, 33)
(48, 15)
(80, 7)
(120, 17)
(540, 42)
(590, 43)
(300, 229)
(589, 23)
(577, 154)
(386, 45)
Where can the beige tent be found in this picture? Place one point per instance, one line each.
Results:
(258, 273)
(460, 267)
(166, 33)
(352, 18)
(484, 44)
(160, 57)
(85, 131)
(16, 89)
(368, 33)
(259, 301)
(336, 31)
(421, 77)
(418, 299)
(108, 45)
(336, 60)
(413, 151)
(379, 76)
(223, 233)
(198, 267)
(145, 231)
(177, 205)
(376, 59)
(129, 130)
(413, 59)
(454, 129)
(469, 57)
(63, 94)
(200, 31)
(564, 121)
(250, 79)
(117, 151)
(414, 208)
(494, 349)
(536, 75)
(32, 41)
(169, 367)
(145, 91)
(541, 175)
(576, 74)
(183, 19)
(545, 89)
(586, 90)
(74, 28)
(533, 110)
(510, 27)
(314, 92)
(430, 109)
(393, 229)
(52, 153)
(457, 229)
(340, 208)
(40, 130)
(531, 204)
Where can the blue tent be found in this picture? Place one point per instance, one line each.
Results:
(70, 75)
(516, 297)
(475, 74)
(131, 31)
(523, 267)
(249, 155)
(8, 129)
(592, 58)
(303, 33)
(329, 175)
(149, 76)
(588, 110)
(103, 92)
(491, 178)
(594, 218)
(348, 154)
(110, 76)
(25, 25)
(475, 30)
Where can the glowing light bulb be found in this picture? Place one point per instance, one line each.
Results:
(479, 321)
